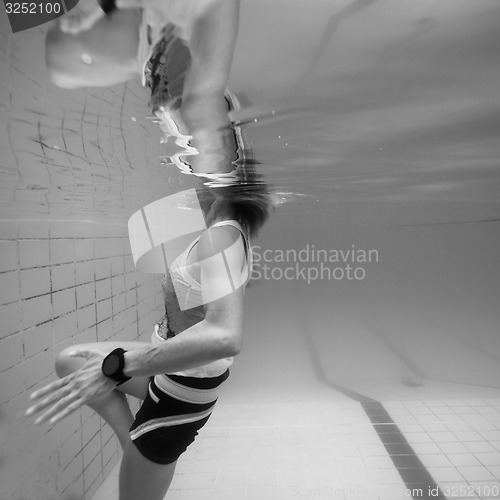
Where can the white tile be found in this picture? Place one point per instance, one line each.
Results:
(261, 493)
(201, 466)
(231, 480)
(480, 447)
(204, 480)
(476, 473)
(291, 478)
(445, 474)
(489, 458)
(453, 448)
(463, 459)
(229, 494)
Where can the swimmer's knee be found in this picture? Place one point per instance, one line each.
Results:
(66, 364)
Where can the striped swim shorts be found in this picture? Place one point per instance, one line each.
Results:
(174, 410)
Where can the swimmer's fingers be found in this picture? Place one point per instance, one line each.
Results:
(56, 395)
(52, 387)
(67, 411)
(60, 403)
(62, 408)
(67, 394)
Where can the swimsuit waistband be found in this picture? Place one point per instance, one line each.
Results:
(204, 377)
(191, 389)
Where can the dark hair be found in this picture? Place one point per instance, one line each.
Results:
(248, 197)
(251, 205)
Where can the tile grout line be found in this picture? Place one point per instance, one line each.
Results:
(380, 418)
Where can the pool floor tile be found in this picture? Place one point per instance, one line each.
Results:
(239, 457)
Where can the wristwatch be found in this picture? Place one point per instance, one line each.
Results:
(113, 365)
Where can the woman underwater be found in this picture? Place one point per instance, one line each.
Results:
(179, 373)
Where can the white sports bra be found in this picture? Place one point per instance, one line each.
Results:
(182, 295)
(187, 288)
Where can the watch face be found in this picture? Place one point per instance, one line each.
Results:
(111, 365)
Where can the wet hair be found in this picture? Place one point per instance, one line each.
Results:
(251, 205)
(247, 197)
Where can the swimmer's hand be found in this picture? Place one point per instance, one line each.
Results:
(64, 396)
(81, 18)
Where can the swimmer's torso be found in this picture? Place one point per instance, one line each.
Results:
(183, 302)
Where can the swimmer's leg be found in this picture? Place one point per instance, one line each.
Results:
(141, 478)
(99, 57)
(114, 408)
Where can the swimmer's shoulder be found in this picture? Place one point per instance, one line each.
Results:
(217, 239)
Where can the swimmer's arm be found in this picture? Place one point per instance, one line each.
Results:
(212, 46)
(218, 336)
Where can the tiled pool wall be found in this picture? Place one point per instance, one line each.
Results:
(75, 165)
(63, 283)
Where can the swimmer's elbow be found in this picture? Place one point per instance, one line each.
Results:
(234, 342)
(230, 342)
(233, 347)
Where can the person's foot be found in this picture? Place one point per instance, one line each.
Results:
(81, 18)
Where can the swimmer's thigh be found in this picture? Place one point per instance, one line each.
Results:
(142, 478)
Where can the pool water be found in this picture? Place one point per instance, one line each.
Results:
(375, 299)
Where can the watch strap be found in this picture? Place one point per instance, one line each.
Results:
(117, 374)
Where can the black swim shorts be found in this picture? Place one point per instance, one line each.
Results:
(174, 410)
